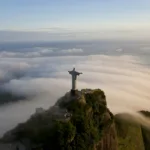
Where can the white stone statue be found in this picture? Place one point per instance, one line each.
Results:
(74, 78)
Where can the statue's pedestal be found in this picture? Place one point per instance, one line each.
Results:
(73, 92)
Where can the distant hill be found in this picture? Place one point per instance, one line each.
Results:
(129, 133)
(80, 122)
(8, 97)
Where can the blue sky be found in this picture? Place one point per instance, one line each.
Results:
(73, 16)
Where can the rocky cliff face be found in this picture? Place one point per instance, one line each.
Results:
(109, 140)
(79, 122)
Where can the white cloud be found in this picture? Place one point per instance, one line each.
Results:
(119, 50)
(74, 50)
(39, 52)
(35, 52)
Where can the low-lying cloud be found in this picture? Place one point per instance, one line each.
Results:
(125, 80)
(38, 52)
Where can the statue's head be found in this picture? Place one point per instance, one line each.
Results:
(73, 69)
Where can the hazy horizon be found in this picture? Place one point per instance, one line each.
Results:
(44, 20)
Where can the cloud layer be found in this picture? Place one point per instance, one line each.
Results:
(125, 80)
(39, 52)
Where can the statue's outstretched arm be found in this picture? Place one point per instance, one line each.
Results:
(79, 73)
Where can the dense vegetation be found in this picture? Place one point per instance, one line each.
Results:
(87, 122)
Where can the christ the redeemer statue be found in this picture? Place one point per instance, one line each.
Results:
(74, 78)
